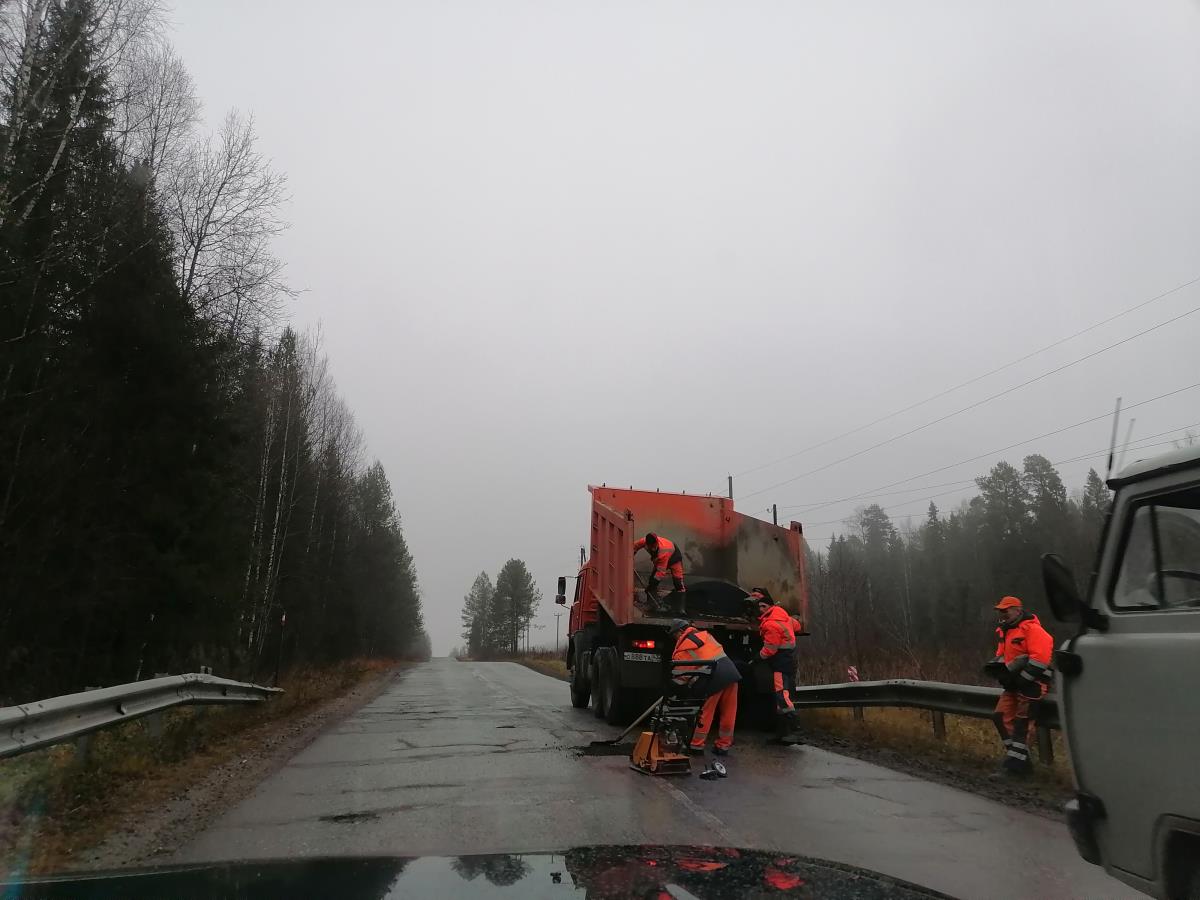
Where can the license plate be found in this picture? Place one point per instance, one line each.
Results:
(641, 657)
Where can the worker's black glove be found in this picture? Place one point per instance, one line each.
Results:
(995, 668)
(652, 587)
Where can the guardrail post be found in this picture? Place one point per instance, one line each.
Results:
(858, 714)
(939, 725)
(154, 725)
(1045, 744)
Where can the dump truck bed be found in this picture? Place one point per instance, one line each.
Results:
(724, 555)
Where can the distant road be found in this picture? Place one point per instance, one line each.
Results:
(465, 758)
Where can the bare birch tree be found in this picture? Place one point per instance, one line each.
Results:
(156, 108)
(115, 29)
(223, 203)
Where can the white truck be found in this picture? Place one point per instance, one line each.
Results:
(1129, 681)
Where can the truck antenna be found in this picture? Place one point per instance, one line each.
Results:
(1112, 446)
(1125, 444)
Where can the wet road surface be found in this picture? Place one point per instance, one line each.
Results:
(468, 758)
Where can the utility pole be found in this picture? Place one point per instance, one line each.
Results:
(774, 514)
(557, 616)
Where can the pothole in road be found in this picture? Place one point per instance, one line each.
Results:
(347, 818)
(604, 750)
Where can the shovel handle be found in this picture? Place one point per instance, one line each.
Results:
(638, 721)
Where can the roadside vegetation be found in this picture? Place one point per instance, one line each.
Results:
(968, 757)
(181, 484)
(56, 803)
(497, 617)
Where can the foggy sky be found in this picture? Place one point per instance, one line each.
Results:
(653, 243)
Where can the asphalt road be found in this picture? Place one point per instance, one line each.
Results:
(468, 758)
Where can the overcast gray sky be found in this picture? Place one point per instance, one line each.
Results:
(653, 243)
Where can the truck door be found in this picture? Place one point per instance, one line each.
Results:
(1132, 712)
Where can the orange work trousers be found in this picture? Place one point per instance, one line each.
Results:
(1016, 728)
(726, 700)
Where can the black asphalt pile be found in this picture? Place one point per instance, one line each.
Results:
(602, 749)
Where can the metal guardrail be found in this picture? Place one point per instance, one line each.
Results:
(937, 696)
(32, 726)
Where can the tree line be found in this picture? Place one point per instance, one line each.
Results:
(918, 603)
(496, 618)
(180, 482)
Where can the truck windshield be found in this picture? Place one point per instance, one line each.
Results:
(1160, 566)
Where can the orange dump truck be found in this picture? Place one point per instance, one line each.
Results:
(616, 649)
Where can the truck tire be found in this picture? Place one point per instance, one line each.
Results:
(619, 701)
(581, 689)
(613, 695)
(599, 677)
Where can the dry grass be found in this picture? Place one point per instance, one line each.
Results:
(56, 802)
(548, 662)
(971, 745)
(555, 668)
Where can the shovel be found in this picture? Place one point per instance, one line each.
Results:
(636, 722)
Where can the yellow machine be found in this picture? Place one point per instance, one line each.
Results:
(663, 749)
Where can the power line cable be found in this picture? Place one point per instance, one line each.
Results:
(954, 465)
(802, 508)
(1098, 454)
(970, 381)
(974, 405)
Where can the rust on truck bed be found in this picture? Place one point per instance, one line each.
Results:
(724, 554)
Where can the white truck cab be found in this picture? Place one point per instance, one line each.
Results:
(1129, 681)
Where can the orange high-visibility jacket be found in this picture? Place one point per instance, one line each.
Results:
(1028, 644)
(662, 558)
(697, 653)
(778, 632)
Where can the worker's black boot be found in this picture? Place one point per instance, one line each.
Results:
(786, 731)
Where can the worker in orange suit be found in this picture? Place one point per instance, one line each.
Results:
(700, 668)
(1022, 666)
(666, 556)
(777, 628)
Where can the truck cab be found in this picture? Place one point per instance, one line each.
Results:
(1128, 681)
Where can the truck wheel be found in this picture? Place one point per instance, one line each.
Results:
(581, 690)
(599, 678)
(614, 705)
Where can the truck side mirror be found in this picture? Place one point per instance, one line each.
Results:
(561, 597)
(1063, 596)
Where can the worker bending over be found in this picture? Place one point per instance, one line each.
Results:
(1022, 666)
(700, 668)
(666, 556)
(778, 631)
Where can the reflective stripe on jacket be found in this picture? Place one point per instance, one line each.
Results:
(1026, 647)
(666, 549)
(777, 632)
(699, 655)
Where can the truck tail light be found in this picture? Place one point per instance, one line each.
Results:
(643, 645)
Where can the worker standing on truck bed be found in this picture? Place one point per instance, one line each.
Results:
(778, 632)
(1022, 665)
(666, 556)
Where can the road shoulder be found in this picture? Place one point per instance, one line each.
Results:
(164, 822)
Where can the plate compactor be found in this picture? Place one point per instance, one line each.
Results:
(663, 748)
